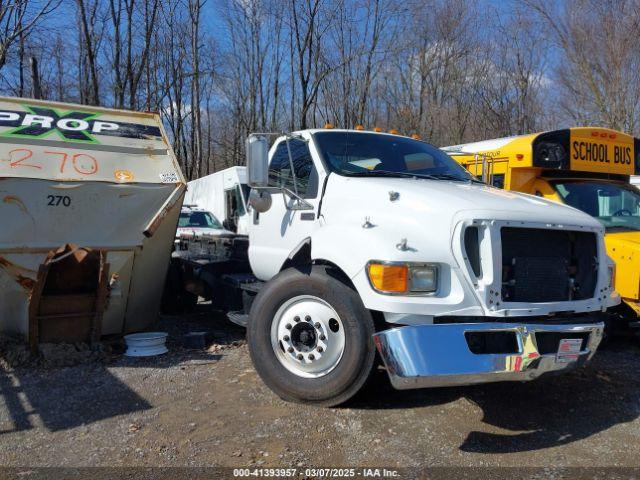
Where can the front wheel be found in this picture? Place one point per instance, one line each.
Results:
(310, 337)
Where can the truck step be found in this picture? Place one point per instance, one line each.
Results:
(238, 318)
(243, 281)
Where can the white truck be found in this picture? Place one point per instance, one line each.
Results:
(361, 241)
(224, 194)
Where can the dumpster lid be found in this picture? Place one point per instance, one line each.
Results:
(67, 142)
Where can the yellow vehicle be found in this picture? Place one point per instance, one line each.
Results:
(586, 168)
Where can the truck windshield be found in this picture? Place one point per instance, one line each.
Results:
(373, 154)
(616, 205)
(198, 220)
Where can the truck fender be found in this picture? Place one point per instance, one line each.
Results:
(350, 247)
(301, 255)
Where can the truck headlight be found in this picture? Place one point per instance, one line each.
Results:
(403, 278)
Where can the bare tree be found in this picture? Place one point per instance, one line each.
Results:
(88, 12)
(514, 76)
(58, 57)
(173, 50)
(17, 19)
(133, 25)
(363, 34)
(599, 70)
(309, 25)
(251, 72)
(431, 85)
(195, 8)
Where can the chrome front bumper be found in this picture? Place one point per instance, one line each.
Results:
(439, 355)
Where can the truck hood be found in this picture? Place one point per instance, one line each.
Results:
(365, 219)
(446, 200)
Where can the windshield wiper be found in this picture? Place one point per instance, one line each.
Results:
(381, 173)
(428, 176)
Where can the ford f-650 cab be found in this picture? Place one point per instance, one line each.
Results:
(361, 241)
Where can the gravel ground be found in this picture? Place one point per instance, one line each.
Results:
(208, 407)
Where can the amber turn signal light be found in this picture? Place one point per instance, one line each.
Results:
(389, 278)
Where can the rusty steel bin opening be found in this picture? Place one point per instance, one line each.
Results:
(89, 203)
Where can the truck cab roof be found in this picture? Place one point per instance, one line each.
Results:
(311, 131)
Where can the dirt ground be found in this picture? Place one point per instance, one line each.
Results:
(208, 407)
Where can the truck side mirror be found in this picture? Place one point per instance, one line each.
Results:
(260, 200)
(257, 161)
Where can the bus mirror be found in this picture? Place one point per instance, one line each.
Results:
(257, 161)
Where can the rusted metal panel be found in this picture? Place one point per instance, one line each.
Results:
(173, 203)
(34, 305)
(18, 273)
(66, 317)
(101, 298)
(101, 179)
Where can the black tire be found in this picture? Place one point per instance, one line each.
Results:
(357, 361)
(617, 320)
(175, 299)
(188, 302)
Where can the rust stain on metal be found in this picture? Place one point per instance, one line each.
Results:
(172, 203)
(26, 282)
(16, 272)
(15, 201)
(150, 151)
(156, 223)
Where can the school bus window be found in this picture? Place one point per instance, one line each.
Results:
(498, 180)
(615, 205)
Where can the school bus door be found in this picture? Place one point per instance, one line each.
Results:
(494, 169)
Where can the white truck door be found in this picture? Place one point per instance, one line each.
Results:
(274, 234)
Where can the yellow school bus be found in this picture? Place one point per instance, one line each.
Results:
(586, 168)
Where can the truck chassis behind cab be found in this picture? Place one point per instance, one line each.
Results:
(363, 240)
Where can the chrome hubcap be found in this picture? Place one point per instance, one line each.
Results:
(307, 336)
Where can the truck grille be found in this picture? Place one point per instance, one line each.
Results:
(540, 265)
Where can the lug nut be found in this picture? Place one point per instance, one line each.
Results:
(288, 326)
(317, 325)
(320, 349)
(300, 357)
(290, 349)
(307, 318)
(322, 337)
(296, 319)
(286, 338)
(312, 357)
